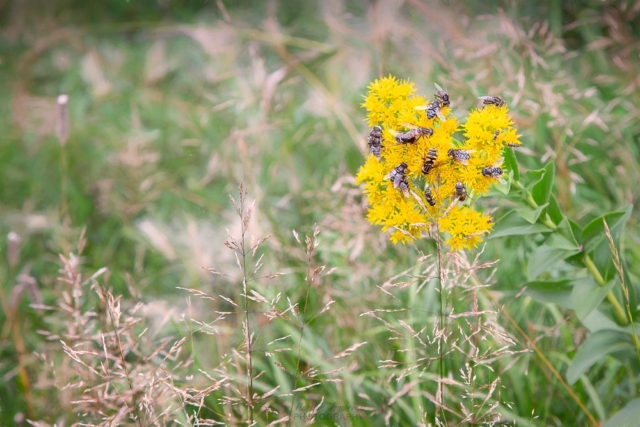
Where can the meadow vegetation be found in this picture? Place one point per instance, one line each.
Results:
(186, 243)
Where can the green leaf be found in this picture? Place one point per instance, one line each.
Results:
(531, 178)
(506, 186)
(594, 397)
(575, 229)
(587, 295)
(545, 257)
(563, 239)
(566, 231)
(542, 190)
(627, 416)
(554, 211)
(593, 233)
(594, 348)
(512, 224)
(559, 242)
(598, 321)
(556, 292)
(530, 215)
(511, 163)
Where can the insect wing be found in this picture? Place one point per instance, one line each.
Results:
(409, 126)
(404, 186)
(397, 179)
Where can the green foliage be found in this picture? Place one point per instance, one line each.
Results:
(626, 417)
(594, 349)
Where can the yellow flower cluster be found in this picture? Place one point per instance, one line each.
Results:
(410, 201)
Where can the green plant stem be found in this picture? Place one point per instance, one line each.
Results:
(302, 319)
(63, 183)
(617, 307)
(441, 326)
(243, 214)
(588, 263)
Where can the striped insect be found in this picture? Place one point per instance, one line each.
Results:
(412, 135)
(461, 192)
(459, 195)
(494, 171)
(442, 96)
(429, 160)
(433, 109)
(460, 156)
(429, 196)
(399, 179)
(492, 100)
(375, 141)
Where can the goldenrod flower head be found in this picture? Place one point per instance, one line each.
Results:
(466, 226)
(397, 196)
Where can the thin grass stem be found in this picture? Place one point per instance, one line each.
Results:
(623, 285)
(310, 245)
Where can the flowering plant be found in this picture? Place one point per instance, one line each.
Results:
(418, 176)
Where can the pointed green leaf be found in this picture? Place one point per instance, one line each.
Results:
(566, 231)
(511, 163)
(545, 257)
(598, 321)
(587, 295)
(542, 190)
(555, 291)
(560, 242)
(512, 224)
(531, 178)
(593, 233)
(530, 215)
(564, 238)
(575, 229)
(572, 233)
(593, 349)
(554, 211)
(627, 416)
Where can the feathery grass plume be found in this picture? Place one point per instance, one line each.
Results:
(447, 168)
(259, 376)
(119, 364)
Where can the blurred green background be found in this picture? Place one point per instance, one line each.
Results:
(171, 103)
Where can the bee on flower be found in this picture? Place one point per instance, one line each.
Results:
(469, 169)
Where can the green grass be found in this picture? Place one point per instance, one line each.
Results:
(166, 151)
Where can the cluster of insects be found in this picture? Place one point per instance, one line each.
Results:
(398, 175)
